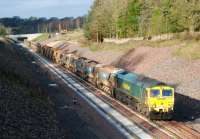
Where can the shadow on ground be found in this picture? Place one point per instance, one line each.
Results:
(186, 108)
(127, 60)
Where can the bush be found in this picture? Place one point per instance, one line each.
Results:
(3, 30)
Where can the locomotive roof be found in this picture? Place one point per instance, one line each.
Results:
(139, 80)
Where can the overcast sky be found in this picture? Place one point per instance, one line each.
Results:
(44, 8)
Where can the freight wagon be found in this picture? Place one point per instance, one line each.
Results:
(80, 65)
(59, 52)
(70, 62)
(91, 68)
(105, 78)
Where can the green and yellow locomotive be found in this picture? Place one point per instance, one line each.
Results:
(150, 97)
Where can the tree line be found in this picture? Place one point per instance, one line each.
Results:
(130, 18)
(41, 25)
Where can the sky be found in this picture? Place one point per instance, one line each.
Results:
(44, 8)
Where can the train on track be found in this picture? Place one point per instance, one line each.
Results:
(150, 97)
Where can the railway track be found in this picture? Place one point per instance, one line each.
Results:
(158, 129)
(127, 128)
(151, 128)
(179, 129)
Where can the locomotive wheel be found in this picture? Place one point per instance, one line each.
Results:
(167, 116)
(154, 116)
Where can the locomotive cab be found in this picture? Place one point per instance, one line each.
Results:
(160, 100)
(148, 96)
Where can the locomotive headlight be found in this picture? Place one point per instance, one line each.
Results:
(153, 105)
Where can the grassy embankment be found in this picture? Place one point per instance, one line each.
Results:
(189, 45)
(42, 37)
(128, 45)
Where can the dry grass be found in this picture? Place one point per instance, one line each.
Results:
(42, 37)
(74, 36)
(190, 51)
(128, 45)
(163, 43)
(108, 46)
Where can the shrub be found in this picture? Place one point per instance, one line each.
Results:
(3, 30)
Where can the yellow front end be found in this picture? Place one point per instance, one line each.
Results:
(161, 99)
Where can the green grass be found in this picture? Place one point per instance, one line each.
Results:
(190, 49)
(42, 37)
